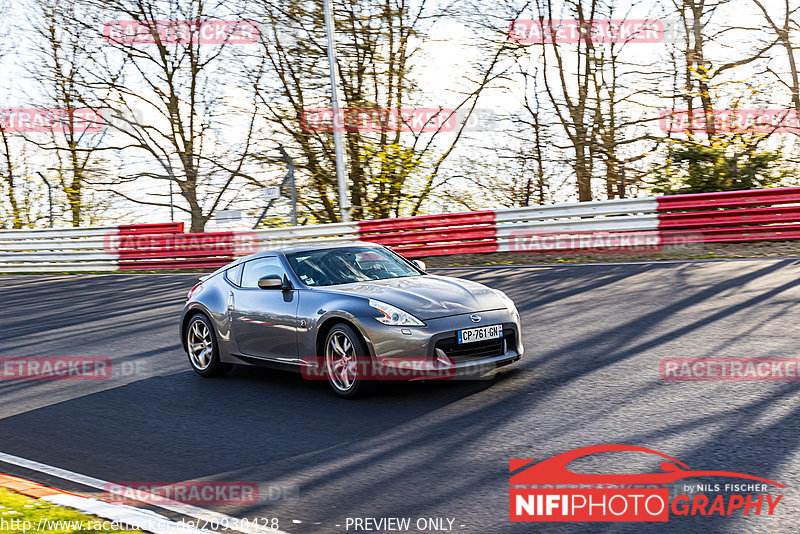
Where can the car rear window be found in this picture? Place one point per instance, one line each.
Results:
(254, 270)
(234, 275)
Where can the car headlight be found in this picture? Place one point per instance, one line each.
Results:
(510, 306)
(392, 315)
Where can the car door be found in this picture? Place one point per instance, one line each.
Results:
(264, 321)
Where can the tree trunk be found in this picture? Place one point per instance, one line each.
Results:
(583, 173)
(16, 215)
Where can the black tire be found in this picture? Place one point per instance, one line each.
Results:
(359, 386)
(200, 331)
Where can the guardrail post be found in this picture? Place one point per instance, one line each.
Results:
(49, 196)
(290, 176)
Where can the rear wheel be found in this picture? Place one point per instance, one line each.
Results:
(201, 345)
(346, 361)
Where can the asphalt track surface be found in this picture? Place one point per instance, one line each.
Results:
(594, 336)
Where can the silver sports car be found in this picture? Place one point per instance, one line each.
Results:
(352, 314)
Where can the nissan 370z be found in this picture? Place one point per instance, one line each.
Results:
(354, 314)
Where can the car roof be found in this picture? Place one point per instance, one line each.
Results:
(300, 247)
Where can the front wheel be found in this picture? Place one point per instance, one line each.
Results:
(346, 360)
(201, 344)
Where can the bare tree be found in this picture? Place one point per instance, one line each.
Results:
(9, 183)
(627, 92)
(599, 95)
(392, 169)
(703, 75)
(570, 92)
(782, 28)
(10, 194)
(534, 137)
(62, 53)
(174, 100)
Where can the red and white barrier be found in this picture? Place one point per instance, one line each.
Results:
(626, 225)
(565, 227)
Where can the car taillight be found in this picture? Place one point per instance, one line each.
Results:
(198, 284)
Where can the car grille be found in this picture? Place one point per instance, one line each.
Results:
(475, 351)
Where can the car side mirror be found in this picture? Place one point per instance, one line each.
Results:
(271, 281)
(419, 264)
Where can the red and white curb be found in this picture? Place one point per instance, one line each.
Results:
(131, 516)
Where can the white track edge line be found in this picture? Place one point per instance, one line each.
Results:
(184, 509)
(129, 516)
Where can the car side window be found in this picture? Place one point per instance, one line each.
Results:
(234, 275)
(255, 270)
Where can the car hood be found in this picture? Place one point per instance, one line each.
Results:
(427, 297)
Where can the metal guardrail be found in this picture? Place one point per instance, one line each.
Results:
(767, 214)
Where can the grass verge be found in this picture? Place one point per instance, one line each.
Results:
(24, 515)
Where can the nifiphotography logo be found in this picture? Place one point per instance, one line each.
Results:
(549, 491)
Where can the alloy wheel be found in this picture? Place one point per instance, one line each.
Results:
(341, 361)
(201, 345)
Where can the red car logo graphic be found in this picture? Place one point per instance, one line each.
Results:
(554, 470)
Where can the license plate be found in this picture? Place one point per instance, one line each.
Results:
(482, 333)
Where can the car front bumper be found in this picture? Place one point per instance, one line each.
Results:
(431, 351)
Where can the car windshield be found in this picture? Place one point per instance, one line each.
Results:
(346, 265)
